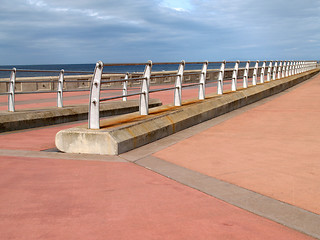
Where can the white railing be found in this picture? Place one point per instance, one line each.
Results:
(59, 85)
(264, 71)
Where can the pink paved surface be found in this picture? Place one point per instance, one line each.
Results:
(33, 140)
(272, 149)
(65, 199)
(45, 198)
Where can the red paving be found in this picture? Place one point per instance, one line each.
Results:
(45, 198)
(66, 199)
(34, 140)
(272, 149)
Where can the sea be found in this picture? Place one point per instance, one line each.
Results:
(89, 68)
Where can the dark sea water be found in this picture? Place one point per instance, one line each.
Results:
(107, 69)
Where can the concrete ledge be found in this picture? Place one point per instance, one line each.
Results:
(23, 119)
(124, 133)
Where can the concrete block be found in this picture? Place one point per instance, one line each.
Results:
(23, 119)
(124, 133)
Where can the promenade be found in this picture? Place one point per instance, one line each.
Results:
(250, 174)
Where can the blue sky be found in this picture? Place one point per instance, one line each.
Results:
(85, 31)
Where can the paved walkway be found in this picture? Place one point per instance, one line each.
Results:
(249, 174)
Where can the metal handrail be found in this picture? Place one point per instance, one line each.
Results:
(267, 70)
(11, 93)
(262, 71)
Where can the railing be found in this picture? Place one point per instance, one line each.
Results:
(60, 83)
(255, 71)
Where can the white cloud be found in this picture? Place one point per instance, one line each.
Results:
(166, 30)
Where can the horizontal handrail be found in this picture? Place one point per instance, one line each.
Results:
(44, 71)
(116, 97)
(190, 85)
(253, 71)
(161, 89)
(264, 71)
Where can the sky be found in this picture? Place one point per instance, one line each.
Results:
(86, 31)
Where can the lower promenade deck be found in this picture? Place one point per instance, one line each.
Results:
(250, 174)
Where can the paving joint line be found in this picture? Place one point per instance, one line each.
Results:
(283, 213)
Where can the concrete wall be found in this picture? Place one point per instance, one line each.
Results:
(212, 75)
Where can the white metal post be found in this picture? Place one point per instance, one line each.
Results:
(60, 89)
(279, 70)
(283, 73)
(290, 68)
(220, 78)
(255, 73)
(245, 75)
(178, 84)
(235, 76)
(275, 67)
(299, 67)
(295, 67)
(144, 96)
(202, 82)
(125, 88)
(94, 104)
(262, 72)
(269, 72)
(11, 106)
(287, 68)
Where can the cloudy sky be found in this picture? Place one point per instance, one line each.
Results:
(85, 31)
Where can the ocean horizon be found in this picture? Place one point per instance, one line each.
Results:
(90, 68)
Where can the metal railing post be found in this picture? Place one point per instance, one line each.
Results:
(255, 73)
(60, 89)
(11, 106)
(283, 72)
(274, 73)
(245, 75)
(269, 72)
(94, 104)
(305, 66)
(235, 76)
(144, 96)
(178, 84)
(279, 70)
(290, 68)
(263, 68)
(287, 68)
(202, 81)
(293, 72)
(300, 67)
(125, 88)
(220, 78)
